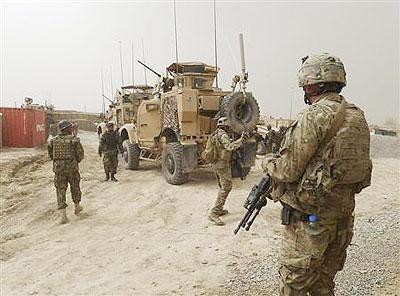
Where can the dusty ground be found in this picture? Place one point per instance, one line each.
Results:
(142, 236)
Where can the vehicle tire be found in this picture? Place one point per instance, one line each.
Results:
(243, 116)
(131, 155)
(172, 163)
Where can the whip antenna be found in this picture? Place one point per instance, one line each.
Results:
(144, 61)
(215, 44)
(176, 35)
(133, 66)
(112, 85)
(120, 60)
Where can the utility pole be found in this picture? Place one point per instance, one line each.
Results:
(103, 110)
(120, 59)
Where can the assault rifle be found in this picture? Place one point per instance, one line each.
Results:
(254, 203)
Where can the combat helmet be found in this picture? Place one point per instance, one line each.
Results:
(110, 124)
(321, 68)
(64, 124)
(223, 121)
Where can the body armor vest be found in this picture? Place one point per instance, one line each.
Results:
(344, 159)
(63, 148)
(110, 140)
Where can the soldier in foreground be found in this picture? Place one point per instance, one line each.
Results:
(222, 167)
(324, 161)
(110, 145)
(66, 151)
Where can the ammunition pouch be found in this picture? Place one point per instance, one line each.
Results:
(63, 149)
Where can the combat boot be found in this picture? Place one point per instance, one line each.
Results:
(113, 178)
(216, 219)
(63, 216)
(107, 177)
(78, 208)
(223, 212)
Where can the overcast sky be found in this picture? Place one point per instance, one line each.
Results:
(56, 52)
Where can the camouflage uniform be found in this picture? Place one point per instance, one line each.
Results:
(278, 139)
(324, 161)
(66, 151)
(110, 145)
(270, 140)
(222, 168)
(307, 180)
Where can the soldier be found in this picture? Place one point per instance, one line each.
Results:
(110, 145)
(66, 151)
(222, 167)
(269, 138)
(278, 139)
(324, 161)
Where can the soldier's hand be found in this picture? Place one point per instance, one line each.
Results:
(100, 154)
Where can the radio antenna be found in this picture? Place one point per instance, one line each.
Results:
(215, 44)
(176, 35)
(112, 85)
(133, 66)
(144, 61)
(120, 59)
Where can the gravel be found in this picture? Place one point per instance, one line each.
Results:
(372, 267)
(385, 146)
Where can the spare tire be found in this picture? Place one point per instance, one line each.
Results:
(243, 114)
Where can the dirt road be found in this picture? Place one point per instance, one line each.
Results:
(143, 236)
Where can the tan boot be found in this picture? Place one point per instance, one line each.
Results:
(78, 209)
(224, 212)
(216, 219)
(63, 216)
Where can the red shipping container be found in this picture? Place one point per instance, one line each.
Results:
(23, 127)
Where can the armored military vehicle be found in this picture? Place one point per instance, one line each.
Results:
(124, 106)
(172, 128)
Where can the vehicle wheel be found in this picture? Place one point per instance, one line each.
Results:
(243, 116)
(172, 163)
(131, 155)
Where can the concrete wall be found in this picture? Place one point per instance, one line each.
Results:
(85, 121)
(275, 122)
